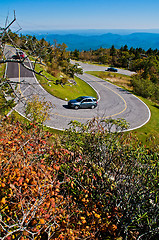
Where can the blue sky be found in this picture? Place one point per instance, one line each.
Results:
(81, 14)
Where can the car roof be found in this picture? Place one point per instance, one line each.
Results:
(86, 97)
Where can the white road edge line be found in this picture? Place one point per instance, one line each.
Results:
(149, 112)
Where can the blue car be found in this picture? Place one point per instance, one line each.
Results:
(83, 102)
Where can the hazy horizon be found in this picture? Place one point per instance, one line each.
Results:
(91, 31)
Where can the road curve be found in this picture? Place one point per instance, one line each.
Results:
(92, 67)
(113, 102)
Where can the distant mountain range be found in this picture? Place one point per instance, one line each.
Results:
(87, 42)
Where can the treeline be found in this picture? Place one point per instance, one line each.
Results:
(144, 63)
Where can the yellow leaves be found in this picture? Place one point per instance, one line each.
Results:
(16, 170)
(33, 172)
(13, 149)
(19, 205)
(88, 213)
(83, 220)
(97, 215)
(3, 201)
(84, 200)
(42, 221)
(49, 168)
(27, 180)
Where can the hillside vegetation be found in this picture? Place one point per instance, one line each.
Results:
(87, 184)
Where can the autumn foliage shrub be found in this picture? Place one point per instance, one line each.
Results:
(53, 190)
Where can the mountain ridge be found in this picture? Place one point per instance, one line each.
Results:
(80, 42)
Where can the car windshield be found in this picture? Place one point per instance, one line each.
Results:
(79, 99)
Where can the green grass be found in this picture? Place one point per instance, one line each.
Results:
(68, 91)
(115, 78)
(150, 131)
(2, 99)
(94, 63)
(2, 70)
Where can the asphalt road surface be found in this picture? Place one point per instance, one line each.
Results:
(92, 67)
(113, 101)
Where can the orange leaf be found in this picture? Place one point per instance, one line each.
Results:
(3, 200)
(29, 152)
(52, 202)
(42, 221)
(56, 167)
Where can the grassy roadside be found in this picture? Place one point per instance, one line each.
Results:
(3, 110)
(2, 70)
(149, 131)
(67, 91)
(115, 78)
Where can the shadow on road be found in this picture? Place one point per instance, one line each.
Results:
(66, 106)
(124, 91)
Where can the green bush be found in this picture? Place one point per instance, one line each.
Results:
(119, 176)
(143, 87)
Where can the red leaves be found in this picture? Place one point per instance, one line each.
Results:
(29, 152)
(94, 177)
(42, 185)
(52, 201)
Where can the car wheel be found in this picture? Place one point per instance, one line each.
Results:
(92, 107)
(76, 107)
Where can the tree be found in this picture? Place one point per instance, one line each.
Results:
(112, 51)
(125, 48)
(37, 110)
(73, 69)
(75, 54)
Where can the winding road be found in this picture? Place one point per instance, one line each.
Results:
(113, 101)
